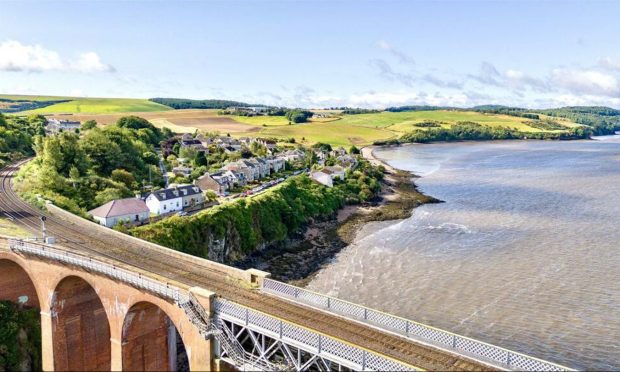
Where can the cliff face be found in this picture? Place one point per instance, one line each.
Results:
(229, 232)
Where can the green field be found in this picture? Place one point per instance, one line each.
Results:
(364, 129)
(78, 105)
(102, 106)
(333, 132)
(260, 120)
(21, 97)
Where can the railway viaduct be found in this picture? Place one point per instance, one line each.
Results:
(112, 302)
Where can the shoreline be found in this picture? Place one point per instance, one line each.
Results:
(298, 260)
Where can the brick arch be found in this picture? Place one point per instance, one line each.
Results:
(151, 341)
(80, 327)
(16, 284)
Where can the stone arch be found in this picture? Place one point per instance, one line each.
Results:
(80, 327)
(151, 341)
(16, 285)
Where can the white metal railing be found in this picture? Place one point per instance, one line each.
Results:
(137, 280)
(340, 352)
(461, 345)
(330, 348)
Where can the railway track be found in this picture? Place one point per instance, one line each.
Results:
(131, 253)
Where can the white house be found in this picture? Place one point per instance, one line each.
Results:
(276, 164)
(55, 126)
(131, 210)
(322, 178)
(164, 201)
(174, 199)
(336, 171)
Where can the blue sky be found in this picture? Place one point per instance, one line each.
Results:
(316, 53)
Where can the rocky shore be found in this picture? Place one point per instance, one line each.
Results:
(297, 260)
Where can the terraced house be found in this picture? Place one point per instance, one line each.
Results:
(173, 199)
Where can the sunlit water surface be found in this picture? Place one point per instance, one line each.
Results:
(524, 253)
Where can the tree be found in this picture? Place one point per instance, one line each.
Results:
(124, 177)
(74, 175)
(150, 158)
(104, 154)
(88, 125)
(110, 194)
(322, 146)
(354, 150)
(299, 116)
(201, 159)
(210, 195)
(133, 122)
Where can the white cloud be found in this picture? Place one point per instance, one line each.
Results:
(17, 57)
(590, 82)
(90, 62)
(580, 100)
(610, 63)
(399, 54)
(512, 79)
(386, 72)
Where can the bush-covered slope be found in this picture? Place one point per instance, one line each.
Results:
(231, 231)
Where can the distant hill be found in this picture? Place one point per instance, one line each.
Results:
(75, 105)
(181, 103)
(16, 105)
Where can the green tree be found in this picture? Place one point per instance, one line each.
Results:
(124, 177)
(110, 194)
(88, 125)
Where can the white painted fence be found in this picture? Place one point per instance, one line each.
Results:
(137, 280)
(345, 354)
(460, 345)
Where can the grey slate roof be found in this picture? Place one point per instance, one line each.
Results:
(176, 192)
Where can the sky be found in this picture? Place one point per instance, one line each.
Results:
(371, 54)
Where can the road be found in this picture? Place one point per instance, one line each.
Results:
(143, 257)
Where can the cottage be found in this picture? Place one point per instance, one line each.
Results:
(194, 144)
(248, 172)
(263, 167)
(164, 201)
(340, 151)
(347, 161)
(131, 210)
(337, 172)
(236, 178)
(191, 195)
(293, 156)
(182, 171)
(255, 172)
(276, 164)
(217, 182)
(55, 126)
(321, 156)
(269, 144)
(322, 178)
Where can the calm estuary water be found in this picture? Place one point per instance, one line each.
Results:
(524, 253)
